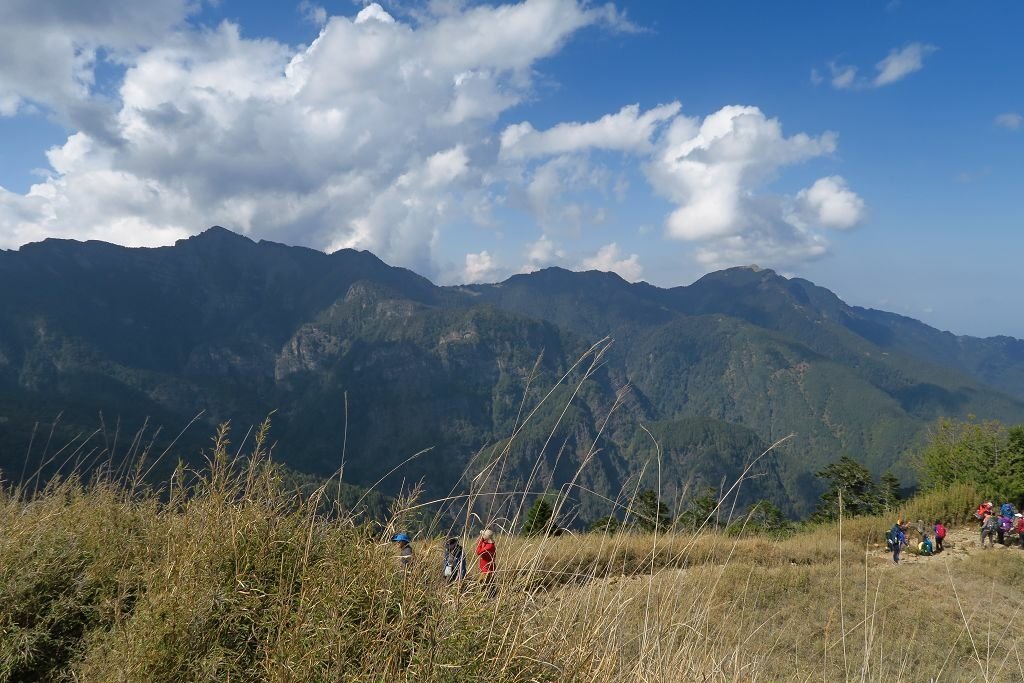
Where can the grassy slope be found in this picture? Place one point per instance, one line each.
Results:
(239, 581)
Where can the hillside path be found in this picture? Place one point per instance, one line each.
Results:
(961, 542)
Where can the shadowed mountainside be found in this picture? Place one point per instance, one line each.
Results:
(720, 368)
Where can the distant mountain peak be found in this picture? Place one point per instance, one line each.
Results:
(216, 235)
(741, 275)
(754, 268)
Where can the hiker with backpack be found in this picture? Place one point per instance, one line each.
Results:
(983, 511)
(989, 526)
(896, 539)
(454, 561)
(1018, 528)
(1005, 525)
(404, 555)
(940, 535)
(925, 546)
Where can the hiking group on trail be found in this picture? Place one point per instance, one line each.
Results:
(454, 559)
(896, 539)
(1001, 526)
(996, 527)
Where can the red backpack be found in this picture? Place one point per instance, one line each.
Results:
(940, 531)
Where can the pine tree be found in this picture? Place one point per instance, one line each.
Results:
(605, 525)
(889, 491)
(651, 514)
(701, 511)
(851, 481)
(1013, 485)
(539, 518)
(766, 516)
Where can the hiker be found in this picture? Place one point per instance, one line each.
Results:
(1018, 528)
(895, 540)
(940, 535)
(404, 556)
(1005, 525)
(925, 546)
(454, 561)
(485, 551)
(984, 510)
(1007, 510)
(988, 529)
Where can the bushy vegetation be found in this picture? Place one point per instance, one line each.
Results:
(853, 492)
(987, 454)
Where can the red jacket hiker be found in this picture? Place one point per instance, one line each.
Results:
(485, 550)
(940, 531)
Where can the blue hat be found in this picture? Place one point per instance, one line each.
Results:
(400, 537)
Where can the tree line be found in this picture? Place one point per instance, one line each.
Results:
(986, 454)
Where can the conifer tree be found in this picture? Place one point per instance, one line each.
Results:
(889, 491)
(608, 524)
(848, 479)
(651, 514)
(701, 511)
(539, 518)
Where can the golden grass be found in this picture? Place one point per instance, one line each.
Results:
(742, 621)
(236, 580)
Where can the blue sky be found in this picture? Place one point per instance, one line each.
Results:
(874, 148)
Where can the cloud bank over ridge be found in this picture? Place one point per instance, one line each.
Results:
(382, 134)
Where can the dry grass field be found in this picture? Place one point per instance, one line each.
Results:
(226, 576)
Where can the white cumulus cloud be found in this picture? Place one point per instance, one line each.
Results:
(628, 130)
(610, 258)
(553, 173)
(830, 204)
(384, 133)
(709, 167)
(376, 135)
(542, 253)
(714, 170)
(480, 267)
(49, 49)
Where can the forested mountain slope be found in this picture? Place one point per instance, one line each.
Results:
(716, 370)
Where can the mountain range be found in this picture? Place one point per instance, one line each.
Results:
(678, 388)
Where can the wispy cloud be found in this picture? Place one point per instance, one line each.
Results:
(897, 65)
(843, 77)
(901, 63)
(1010, 120)
(313, 13)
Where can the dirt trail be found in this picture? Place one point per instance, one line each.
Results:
(961, 542)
